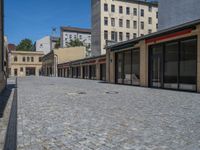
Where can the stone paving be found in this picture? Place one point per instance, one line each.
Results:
(73, 114)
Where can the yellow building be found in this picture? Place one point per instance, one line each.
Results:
(25, 63)
(58, 56)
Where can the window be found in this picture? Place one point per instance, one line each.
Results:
(119, 61)
(105, 7)
(114, 36)
(113, 8)
(135, 11)
(142, 12)
(157, 15)
(120, 9)
(142, 25)
(127, 23)
(120, 22)
(156, 26)
(149, 31)
(134, 35)
(15, 72)
(128, 10)
(188, 65)
(136, 67)
(105, 21)
(40, 59)
(150, 20)
(21, 69)
(127, 36)
(23, 59)
(112, 22)
(120, 36)
(106, 35)
(80, 37)
(135, 24)
(28, 59)
(15, 59)
(171, 65)
(32, 59)
(141, 34)
(127, 67)
(174, 65)
(150, 8)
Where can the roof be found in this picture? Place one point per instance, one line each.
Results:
(75, 29)
(11, 47)
(28, 52)
(83, 60)
(187, 25)
(142, 2)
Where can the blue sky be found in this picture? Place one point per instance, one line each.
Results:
(35, 18)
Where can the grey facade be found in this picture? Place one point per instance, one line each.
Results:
(96, 28)
(175, 12)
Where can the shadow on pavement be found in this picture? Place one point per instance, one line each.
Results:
(4, 96)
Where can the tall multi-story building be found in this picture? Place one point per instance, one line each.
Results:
(175, 12)
(46, 44)
(121, 20)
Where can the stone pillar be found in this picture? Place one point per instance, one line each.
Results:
(112, 67)
(98, 71)
(143, 64)
(108, 65)
(81, 71)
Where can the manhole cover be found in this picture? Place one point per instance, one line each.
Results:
(76, 93)
(81, 93)
(112, 92)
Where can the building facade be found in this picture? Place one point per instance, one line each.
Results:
(121, 20)
(175, 12)
(25, 63)
(167, 59)
(46, 44)
(93, 68)
(61, 55)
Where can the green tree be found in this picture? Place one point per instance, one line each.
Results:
(25, 45)
(57, 45)
(75, 43)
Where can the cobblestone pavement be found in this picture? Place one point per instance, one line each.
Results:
(72, 114)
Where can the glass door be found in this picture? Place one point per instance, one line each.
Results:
(156, 75)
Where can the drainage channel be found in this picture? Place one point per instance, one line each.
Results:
(11, 135)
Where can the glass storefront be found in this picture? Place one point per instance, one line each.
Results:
(173, 65)
(85, 72)
(128, 67)
(92, 69)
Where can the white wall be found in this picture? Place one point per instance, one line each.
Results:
(67, 36)
(44, 45)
